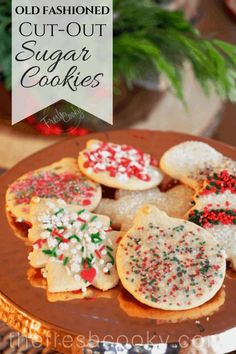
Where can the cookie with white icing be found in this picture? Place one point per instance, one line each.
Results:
(38, 281)
(76, 248)
(119, 166)
(192, 161)
(168, 263)
(175, 202)
(215, 210)
(61, 180)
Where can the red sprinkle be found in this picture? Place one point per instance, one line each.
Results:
(119, 160)
(40, 243)
(219, 183)
(67, 186)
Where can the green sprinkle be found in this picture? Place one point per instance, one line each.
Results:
(89, 261)
(54, 254)
(50, 230)
(65, 261)
(51, 253)
(109, 248)
(111, 257)
(59, 211)
(83, 227)
(80, 212)
(61, 227)
(96, 237)
(93, 218)
(48, 252)
(179, 228)
(75, 237)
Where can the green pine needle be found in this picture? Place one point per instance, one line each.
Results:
(149, 39)
(5, 42)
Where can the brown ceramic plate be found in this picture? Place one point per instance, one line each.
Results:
(67, 325)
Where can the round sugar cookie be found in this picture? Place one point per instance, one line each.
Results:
(61, 180)
(168, 263)
(135, 309)
(190, 162)
(119, 166)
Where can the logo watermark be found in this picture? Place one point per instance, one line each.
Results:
(93, 341)
(73, 118)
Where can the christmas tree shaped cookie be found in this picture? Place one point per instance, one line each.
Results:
(74, 247)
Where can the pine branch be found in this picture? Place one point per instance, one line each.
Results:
(5, 42)
(175, 41)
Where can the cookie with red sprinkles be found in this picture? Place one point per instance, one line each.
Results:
(215, 210)
(73, 247)
(192, 161)
(119, 166)
(169, 263)
(61, 180)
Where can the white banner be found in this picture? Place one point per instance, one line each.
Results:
(62, 52)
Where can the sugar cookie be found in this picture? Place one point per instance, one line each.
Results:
(76, 248)
(215, 211)
(119, 166)
(136, 309)
(168, 263)
(175, 202)
(61, 180)
(191, 161)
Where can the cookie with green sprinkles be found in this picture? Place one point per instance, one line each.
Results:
(119, 166)
(136, 309)
(60, 180)
(192, 161)
(74, 247)
(169, 263)
(215, 210)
